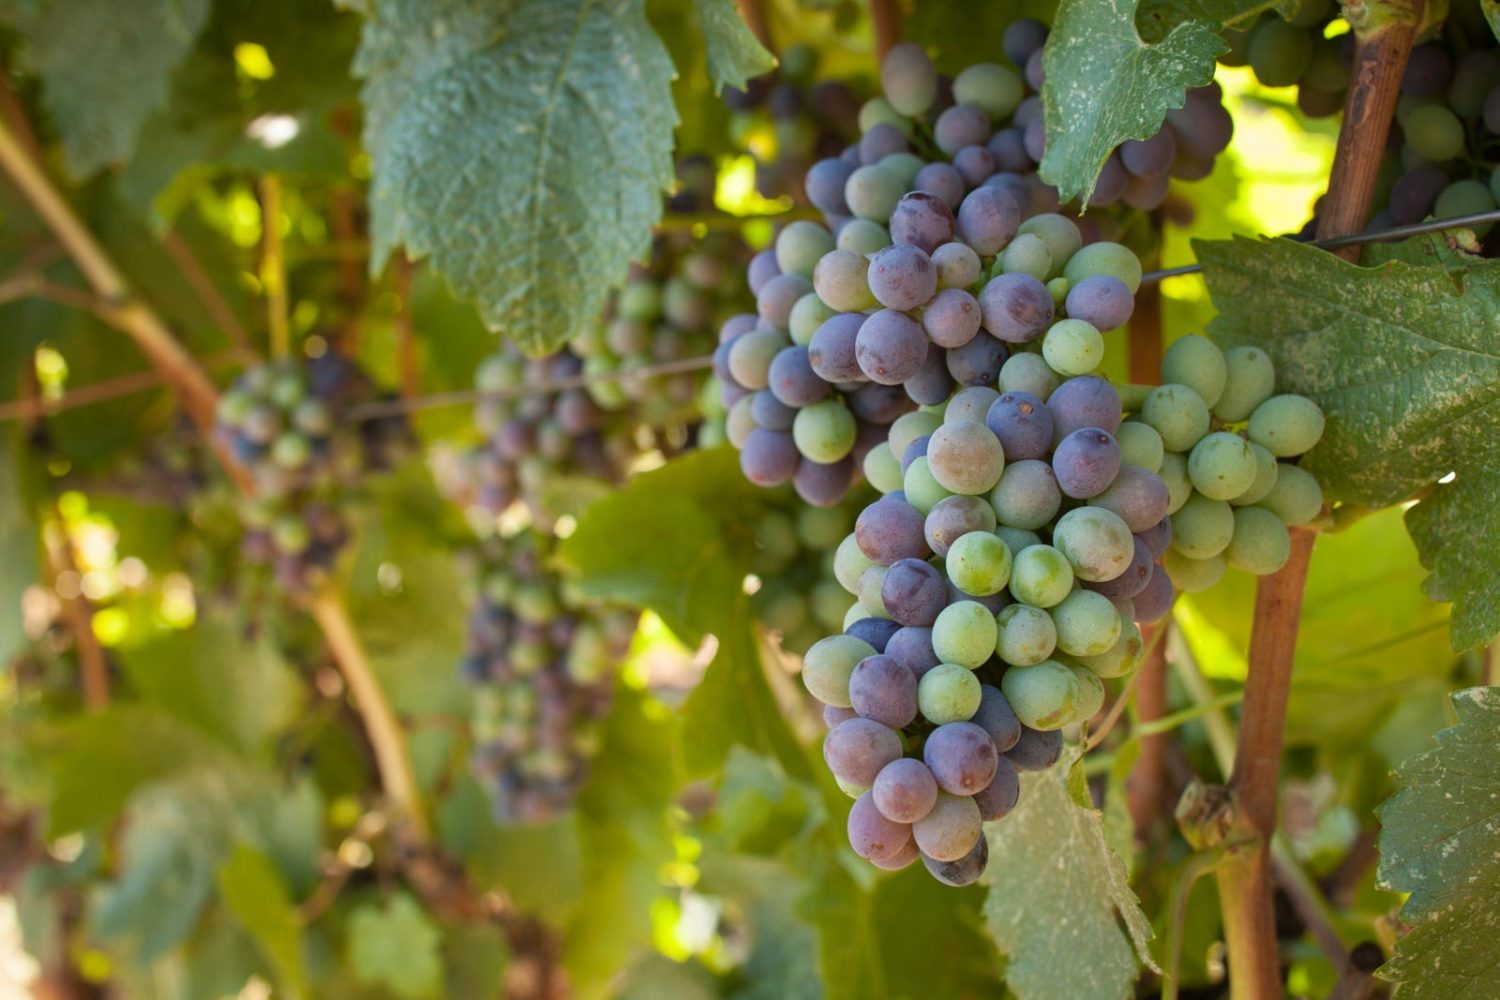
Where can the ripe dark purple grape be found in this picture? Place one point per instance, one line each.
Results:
(933, 382)
(1084, 402)
(912, 648)
(904, 791)
(961, 756)
(793, 380)
(978, 362)
(884, 691)
(965, 870)
(1101, 300)
(769, 458)
(1016, 307)
(891, 529)
(1086, 462)
(1036, 750)
(876, 631)
(999, 797)
(987, 219)
(901, 276)
(823, 485)
(1158, 537)
(857, 749)
(1023, 424)
(913, 591)
(921, 220)
(1155, 600)
(890, 347)
(831, 353)
(872, 836)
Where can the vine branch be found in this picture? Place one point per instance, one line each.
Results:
(885, 17)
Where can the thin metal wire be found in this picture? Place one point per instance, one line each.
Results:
(1399, 232)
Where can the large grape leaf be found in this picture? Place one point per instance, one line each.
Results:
(1440, 842)
(524, 147)
(1154, 18)
(1104, 85)
(734, 54)
(254, 891)
(105, 65)
(1405, 361)
(396, 945)
(1058, 896)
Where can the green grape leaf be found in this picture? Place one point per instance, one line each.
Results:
(477, 956)
(396, 945)
(1104, 85)
(18, 542)
(957, 35)
(523, 147)
(1402, 359)
(1155, 18)
(679, 541)
(254, 891)
(734, 53)
(1056, 889)
(105, 66)
(1440, 842)
(1491, 10)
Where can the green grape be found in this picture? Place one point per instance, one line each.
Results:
(1090, 694)
(1109, 259)
(1251, 380)
(1261, 544)
(1027, 254)
(1097, 543)
(824, 432)
(1434, 132)
(883, 469)
(872, 192)
(1026, 635)
(740, 421)
(910, 426)
(1140, 445)
(1222, 466)
(828, 664)
(1174, 473)
(751, 354)
(1197, 363)
(1087, 623)
(1044, 696)
(808, 314)
(990, 87)
(870, 582)
(948, 693)
(923, 491)
(849, 788)
(1121, 658)
(1280, 52)
(1041, 576)
(978, 563)
(800, 246)
(1465, 197)
(849, 563)
(964, 633)
(1060, 233)
(878, 111)
(965, 457)
(1027, 496)
(1193, 575)
(1203, 527)
(839, 279)
(1286, 425)
(1265, 477)
(1178, 414)
(1296, 498)
(1057, 290)
(1133, 397)
(1073, 347)
(1028, 373)
(908, 79)
(855, 613)
(864, 237)
(903, 165)
(958, 266)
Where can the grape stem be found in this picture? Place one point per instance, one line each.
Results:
(102, 392)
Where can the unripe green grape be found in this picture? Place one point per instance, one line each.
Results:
(978, 563)
(1251, 380)
(1191, 576)
(1017, 540)
(883, 469)
(1287, 425)
(1121, 658)
(1041, 576)
(1025, 372)
(1087, 623)
(1044, 696)
(233, 407)
(1090, 694)
(1203, 527)
(923, 491)
(1178, 414)
(864, 237)
(849, 562)
(808, 314)
(1133, 397)
(1174, 473)
(800, 246)
(908, 79)
(993, 88)
(965, 457)
(958, 266)
(878, 111)
(1109, 259)
(1222, 466)
(910, 426)
(904, 165)
(1280, 52)
(828, 665)
(1266, 468)
(1140, 445)
(1057, 290)
(1465, 197)
(840, 280)
(948, 693)
(872, 193)
(1060, 233)
(1026, 635)
(750, 357)
(291, 451)
(1296, 498)
(1026, 254)
(824, 432)
(856, 612)
(1073, 347)
(849, 788)
(1026, 496)
(1434, 132)
(1197, 363)
(1261, 543)
(870, 582)
(964, 633)
(1097, 542)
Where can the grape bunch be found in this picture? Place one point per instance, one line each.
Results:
(925, 277)
(1286, 51)
(543, 667)
(285, 421)
(799, 597)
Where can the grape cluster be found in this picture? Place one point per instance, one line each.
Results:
(285, 421)
(1285, 51)
(543, 668)
(799, 597)
(927, 274)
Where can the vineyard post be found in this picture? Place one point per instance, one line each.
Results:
(1384, 33)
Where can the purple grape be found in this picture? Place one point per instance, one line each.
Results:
(872, 836)
(912, 648)
(1158, 537)
(905, 790)
(1086, 462)
(1414, 195)
(891, 529)
(1000, 796)
(721, 360)
(1035, 74)
(996, 717)
(1017, 307)
(959, 126)
(1427, 71)
(901, 859)
(1028, 111)
(952, 318)
(1146, 193)
(770, 413)
(883, 690)
(856, 750)
(823, 485)
(914, 592)
(1102, 300)
(942, 180)
(1149, 157)
(993, 603)
(834, 714)
(876, 631)
(902, 277)
(1023, 424)
(763, 268)
(793, 380)
(965, 871)
(916, 449)
(1008, 147)
(775, 300)
(1110, 184)
(1036, 750)
(932, 383)
(1022, 38)
(1138, 496)
(975, 163)
(879, 404)
(977, 362)
(1034, 139)
(824, 185)
(1089, 401)
(961, 756)
(769, 458)
(880, 142)
(921, 220)
(831, 350)
(737, 324)
(1155, 600)
(1131, 582)
(987, 219)
(953, 517)
(1202, 125)
(890, 347)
